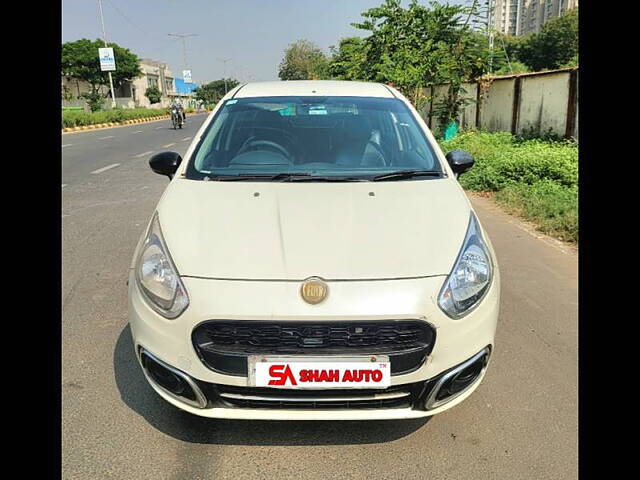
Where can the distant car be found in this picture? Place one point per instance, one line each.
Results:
(314, 257)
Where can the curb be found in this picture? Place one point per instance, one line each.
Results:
(115, 124)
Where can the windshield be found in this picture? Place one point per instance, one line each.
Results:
(328, 137)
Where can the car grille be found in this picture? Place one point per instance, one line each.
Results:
(224, 346)
(399, 396)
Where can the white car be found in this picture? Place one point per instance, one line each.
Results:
(314, 258)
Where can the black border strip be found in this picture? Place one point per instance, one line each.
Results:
(236, 92)
(390, 91)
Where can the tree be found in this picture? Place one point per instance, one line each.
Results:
(80, 61)
(347, 61)
(555, 46)
(66, 93)
(573, 62)
(303, 60)
(512, 67)
(212, 92)
(419, 46)
(153, 94)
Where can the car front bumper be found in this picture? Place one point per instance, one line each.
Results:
(456, 342)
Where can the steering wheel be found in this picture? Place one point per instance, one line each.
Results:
(379, 151)
(251, 143)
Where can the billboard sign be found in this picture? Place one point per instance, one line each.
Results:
(107, 59)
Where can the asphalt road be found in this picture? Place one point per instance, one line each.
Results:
(521, 423)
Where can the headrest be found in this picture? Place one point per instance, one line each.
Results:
(356, 128)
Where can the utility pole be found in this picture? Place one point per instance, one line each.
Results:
(182, 36)
(104, 36)
(491, 32)
(224, 62)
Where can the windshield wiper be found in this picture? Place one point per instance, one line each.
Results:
(402, 174)
(329, 178)
(285, 177)
(252, 176)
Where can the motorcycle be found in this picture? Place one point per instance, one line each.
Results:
(177, 119)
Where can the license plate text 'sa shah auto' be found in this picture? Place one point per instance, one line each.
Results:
(320, 373)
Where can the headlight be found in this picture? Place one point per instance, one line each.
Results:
(471, 276)
(157, 277)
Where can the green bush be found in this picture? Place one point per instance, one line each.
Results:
(502, 160)
(553, 207)
(94, 100)
(534, 178)
(153, 94)
(79, 119)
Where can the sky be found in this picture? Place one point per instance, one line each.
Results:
(251, 34)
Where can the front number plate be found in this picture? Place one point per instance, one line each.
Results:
(320, 373)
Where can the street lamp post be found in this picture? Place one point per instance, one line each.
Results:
(224, 62)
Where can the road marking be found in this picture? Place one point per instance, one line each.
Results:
(185, 139)
(104, 138)
(158, 128)
(168, 145)
(139, 131)
(104, 169)
(67, 144)
(143, 154)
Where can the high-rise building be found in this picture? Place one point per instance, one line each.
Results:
(521, 17)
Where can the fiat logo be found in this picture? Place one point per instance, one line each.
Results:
(314, 290)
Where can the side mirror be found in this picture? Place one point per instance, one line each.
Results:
(165, 163)
(460, 161)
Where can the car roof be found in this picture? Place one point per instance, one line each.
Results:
(310, 88)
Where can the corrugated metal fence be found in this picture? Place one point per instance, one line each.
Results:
(537, 103)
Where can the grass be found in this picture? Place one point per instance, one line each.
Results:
(78, 119)
(533, 178)
(552, 207)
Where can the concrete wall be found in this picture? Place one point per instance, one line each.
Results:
(76, 103)
(532, 102)
(131, 94)
(468, 114)
(496, 106)
(435, 94)
(543, 103)
(121, 102)
(575, 128)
